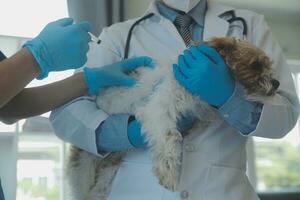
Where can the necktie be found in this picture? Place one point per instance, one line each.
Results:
(182, 23)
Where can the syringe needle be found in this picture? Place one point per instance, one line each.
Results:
(95, 39)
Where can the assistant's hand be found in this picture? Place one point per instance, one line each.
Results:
(60, 46)
(114, 74)
(203, 72)
(137, 139)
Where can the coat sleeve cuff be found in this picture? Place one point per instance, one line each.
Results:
(76, 123)
(111, 135)
(240, 113)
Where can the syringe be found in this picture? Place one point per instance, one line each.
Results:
(95, 39)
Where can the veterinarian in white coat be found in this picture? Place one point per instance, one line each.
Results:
(213, 161)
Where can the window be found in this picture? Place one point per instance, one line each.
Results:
(30, 145)
(27, 18)
(40, 167)
(278, 161)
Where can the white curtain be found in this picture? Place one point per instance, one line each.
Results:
(100, 13)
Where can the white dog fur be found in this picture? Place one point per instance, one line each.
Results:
(158, 102)
(156, 98)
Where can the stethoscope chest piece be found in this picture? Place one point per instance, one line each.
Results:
(235, 21)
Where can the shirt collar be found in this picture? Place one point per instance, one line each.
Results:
(197, 13)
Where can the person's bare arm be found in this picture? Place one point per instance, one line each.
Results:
(35, 101)
(15, 73)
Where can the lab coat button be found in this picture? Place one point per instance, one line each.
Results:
(184, 194)
(189, 147)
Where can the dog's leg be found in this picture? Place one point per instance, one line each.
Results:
(159, 122)
(90, 177)
(105, 172)
(79, 170)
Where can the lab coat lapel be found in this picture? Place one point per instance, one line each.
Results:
(168, 25)
(214, 26)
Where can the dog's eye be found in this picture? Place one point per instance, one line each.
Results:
(257, 65)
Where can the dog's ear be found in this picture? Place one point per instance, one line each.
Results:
(225, 46)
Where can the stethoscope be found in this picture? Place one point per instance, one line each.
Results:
(228, 16)
(127, 45)
(231, 18)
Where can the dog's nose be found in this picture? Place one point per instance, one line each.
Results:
(275, 84)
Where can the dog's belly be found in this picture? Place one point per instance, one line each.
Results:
(126, 100)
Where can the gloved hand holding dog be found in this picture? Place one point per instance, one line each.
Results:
(115, 74)
(202, 71)
(137, 139)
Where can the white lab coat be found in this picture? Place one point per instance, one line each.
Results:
(214, 161)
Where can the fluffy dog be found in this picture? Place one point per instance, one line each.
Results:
(92, 177)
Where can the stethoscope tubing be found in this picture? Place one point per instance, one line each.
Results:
(229, 13)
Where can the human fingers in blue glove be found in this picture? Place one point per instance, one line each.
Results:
(61, 45)
(115, 74)
(137, 139)
(203, 72)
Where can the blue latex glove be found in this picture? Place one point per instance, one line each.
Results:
(114, 74)
(60, 46)
(137, 139)
(135, 135)
(203, 72)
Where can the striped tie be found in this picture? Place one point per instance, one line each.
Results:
(182, 23)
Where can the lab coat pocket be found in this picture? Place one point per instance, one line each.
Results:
(228, 183)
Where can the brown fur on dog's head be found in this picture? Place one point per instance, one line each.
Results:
(249, 65)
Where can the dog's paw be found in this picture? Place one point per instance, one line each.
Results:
(167, 160)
